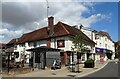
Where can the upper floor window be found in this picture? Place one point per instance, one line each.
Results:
(35, 44)
(100, 45)
(96, 42)
(60, 43)
(96, 36)
(15, 47)
(105, 39)
(30, 44)
(22, 45)
(16, 54)
(106, 46)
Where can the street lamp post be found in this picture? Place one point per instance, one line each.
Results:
(78, 69)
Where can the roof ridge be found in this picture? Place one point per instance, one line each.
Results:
(64, 28)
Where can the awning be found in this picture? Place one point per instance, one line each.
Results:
(102, 50)
(43, 48)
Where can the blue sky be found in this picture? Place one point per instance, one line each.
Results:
(23, 17)
(111, 23)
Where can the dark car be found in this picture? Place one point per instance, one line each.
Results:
(56, 64)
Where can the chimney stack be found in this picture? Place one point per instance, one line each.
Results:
(51, 24)
(81, 26)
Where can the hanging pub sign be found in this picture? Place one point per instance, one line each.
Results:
(60, 43)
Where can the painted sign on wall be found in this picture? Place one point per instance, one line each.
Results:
(60, 43)
(100, 50)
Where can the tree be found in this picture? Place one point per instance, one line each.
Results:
(79, 42)
(117, 49)
(78, 45)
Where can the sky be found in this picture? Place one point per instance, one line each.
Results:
(23, 17)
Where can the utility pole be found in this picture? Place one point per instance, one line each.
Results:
(47, 12)
(47, 8)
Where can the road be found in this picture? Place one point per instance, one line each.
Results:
(110, 70)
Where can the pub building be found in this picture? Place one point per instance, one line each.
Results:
(42, 46)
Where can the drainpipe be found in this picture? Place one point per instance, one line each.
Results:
(8, 62)
(72, 61)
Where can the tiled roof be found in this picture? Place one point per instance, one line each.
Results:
(61, 29)
(34, 35)
(2, 45)
(74, 31)
(105, 34)
(13, 41)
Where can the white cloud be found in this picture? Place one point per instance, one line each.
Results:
(20, 17)
(6, 35)
(92, 19)
(60, 0)
(1, 38)
(10, 33)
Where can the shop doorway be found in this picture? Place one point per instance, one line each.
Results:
(109, 55)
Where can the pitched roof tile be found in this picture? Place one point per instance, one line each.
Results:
(61, 29)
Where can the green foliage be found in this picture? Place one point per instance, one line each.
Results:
(90, 60)
(78, 41)
(89, 63)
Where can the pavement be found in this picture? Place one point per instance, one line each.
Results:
(64, 72)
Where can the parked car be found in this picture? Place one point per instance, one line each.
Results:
(56, 64)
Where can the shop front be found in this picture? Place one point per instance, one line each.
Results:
(44, 57)
(100, 53)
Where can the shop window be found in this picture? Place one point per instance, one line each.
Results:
(16, 54)
(37, 57)
(83, 57)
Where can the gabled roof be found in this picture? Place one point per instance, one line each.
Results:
(74, 31)
(61, 29)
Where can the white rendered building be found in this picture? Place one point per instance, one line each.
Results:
(56, 36)
(104, 46)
